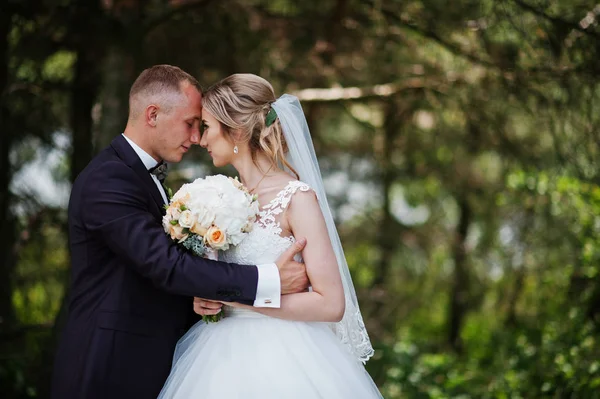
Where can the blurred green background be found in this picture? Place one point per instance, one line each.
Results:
(458, 140)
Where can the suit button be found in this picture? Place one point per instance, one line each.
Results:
(237, 293)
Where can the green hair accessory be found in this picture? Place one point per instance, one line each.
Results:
(271, 116)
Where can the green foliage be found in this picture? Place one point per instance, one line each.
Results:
(194, 244)
(59, 67)
(558, 360)
(468, 200)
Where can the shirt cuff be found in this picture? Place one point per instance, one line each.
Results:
(268, 289)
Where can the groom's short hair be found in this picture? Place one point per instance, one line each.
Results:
(159, 84)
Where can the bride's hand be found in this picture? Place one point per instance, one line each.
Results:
(205, 307)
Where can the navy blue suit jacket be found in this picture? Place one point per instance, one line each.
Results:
(131, 286)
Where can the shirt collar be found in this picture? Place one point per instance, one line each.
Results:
(146, 158)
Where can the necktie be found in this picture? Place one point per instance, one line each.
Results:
(160, 171)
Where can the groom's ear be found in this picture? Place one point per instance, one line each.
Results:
(151, 114)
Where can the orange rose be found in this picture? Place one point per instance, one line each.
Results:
(216, 238)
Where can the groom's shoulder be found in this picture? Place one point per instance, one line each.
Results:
(106, 155)
(104, 162)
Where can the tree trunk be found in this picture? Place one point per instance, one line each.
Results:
(520, 273)
(511, 318)
(593, 306)
(389, 229)
(120, 71)
(386, 241)
(460, 286)
(7, 223)
(83, 96)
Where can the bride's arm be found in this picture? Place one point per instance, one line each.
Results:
(326, 300)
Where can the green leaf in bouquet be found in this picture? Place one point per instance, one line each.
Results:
(213, 318)
(195, 244)
(174, 222)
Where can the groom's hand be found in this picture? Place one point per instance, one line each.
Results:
(205, 307)
(292, 274)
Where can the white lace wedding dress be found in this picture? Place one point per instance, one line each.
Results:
(251, 356)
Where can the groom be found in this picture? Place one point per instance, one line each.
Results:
(131, 286)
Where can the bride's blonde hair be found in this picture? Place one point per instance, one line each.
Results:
(242, 102)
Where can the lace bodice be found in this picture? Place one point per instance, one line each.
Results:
(264, 243)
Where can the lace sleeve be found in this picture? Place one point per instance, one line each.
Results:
(268, 217)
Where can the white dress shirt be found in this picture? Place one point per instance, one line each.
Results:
(149, 163)
(268, 289)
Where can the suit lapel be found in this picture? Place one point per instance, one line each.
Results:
(128, 155)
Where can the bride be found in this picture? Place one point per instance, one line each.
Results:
(311, 346)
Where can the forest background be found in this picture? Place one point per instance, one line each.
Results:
(458, 141)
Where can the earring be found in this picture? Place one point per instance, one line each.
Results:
(235, 149)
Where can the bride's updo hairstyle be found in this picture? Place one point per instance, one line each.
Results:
(242, 102)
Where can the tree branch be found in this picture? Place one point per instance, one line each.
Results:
(20, 331)
(167, 16)
(453, 48)
(470, 56)
(362, 93)
(556, 20)
(338, 12)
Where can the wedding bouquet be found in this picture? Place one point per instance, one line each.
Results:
(210, 214)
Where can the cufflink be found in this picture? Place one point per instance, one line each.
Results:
(267, 301)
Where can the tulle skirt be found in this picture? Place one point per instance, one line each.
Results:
(249, 355)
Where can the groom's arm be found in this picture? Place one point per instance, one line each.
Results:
(115, 208)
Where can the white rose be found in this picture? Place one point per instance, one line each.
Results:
(177, 233)
(204, 217)
(236, 238)
(183, 194)
(247, 228)
(197, 228)
(187, 219)
(252, 209)
(226, 220)
(173, 212)
(166, 222)
(208, 197)
(237, 184)
(236, 226)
